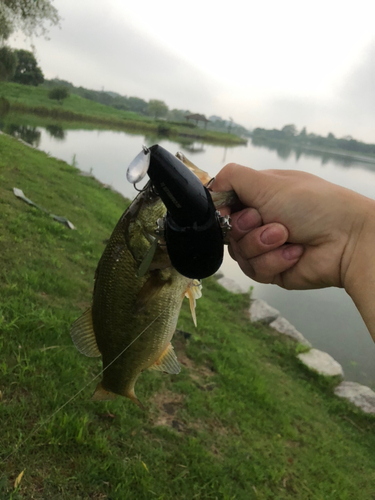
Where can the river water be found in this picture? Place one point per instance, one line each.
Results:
(327, 318)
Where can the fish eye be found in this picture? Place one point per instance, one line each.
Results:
(139, 166)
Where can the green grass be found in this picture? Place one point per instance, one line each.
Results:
(244, 419)
(27, 99)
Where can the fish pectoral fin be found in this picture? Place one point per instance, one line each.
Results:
(193, 293)
(167, 362)
(149, 291)
(146, 262)
(83, 336)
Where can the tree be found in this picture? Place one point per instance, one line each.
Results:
(177, 115)
(289, 130)
(27, 70)
(8, 63)
(59, 94)
(157, 108)
(29, 16)
(137, 105)
(303, 133)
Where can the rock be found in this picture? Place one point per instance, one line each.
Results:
(321, 362)
(282, 325)
(230, 285)
(261, 311)
(358, 394)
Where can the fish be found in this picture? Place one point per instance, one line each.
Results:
(134, 314)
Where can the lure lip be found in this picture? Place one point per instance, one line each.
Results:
(138, 168)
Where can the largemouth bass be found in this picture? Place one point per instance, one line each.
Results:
(133, 318)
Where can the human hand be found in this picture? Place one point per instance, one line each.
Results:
(311, 227)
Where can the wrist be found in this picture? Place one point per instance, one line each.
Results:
(358, 263)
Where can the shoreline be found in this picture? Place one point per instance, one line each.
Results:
(313, 359)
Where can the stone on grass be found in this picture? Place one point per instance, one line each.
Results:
(230, 285)
(358, 394)
(282, 325)
(321, 362)
(261, 311)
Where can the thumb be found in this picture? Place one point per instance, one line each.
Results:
(246, 182)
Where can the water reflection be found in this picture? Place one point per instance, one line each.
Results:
(193, 148)
(27, 133)
(285, 150)
(56, 131)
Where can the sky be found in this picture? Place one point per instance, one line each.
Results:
(264, 64)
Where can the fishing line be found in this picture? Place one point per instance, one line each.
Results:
(38, 427)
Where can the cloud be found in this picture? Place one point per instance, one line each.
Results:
(99, 49)
(101, 45)
(359, 87)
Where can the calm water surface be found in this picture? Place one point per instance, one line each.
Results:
(326, 317)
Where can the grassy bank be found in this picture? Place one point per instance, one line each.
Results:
(244, 420)
(27, 99)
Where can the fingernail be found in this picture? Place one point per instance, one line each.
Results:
(271, 235)
(249, 219)
(292, 252)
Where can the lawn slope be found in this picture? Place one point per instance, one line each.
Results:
(26, 99)
(244, 420)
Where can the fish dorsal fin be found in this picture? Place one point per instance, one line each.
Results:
(167, 362)
(83, 336)
(193, 293)
(201, 174)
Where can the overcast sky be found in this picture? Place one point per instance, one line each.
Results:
(264, 64)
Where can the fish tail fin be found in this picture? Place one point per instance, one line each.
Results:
(102, 394)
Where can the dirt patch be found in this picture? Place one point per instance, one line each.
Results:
(168, 403)
(197, 373)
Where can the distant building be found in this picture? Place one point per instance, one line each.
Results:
(198, 118)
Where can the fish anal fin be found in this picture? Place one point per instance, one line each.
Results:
(149, 291)
(193, 293)
(102, 394)
(83, 336)
(167, 362)
(131, 395)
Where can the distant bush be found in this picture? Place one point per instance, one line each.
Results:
(8, 63)
(183, 124)
(4, 106)
(27, 70)
(163, 130)
(58, 94)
